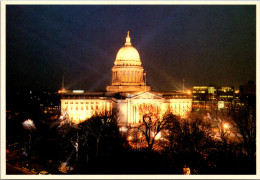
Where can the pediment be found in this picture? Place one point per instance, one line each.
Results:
(147, 95)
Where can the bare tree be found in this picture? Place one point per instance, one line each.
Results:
(236, 125)
(69, 132)
(244, 128)
(189, 142)
(189, 135)
(220, 121)
(151, 128)
(98, 126)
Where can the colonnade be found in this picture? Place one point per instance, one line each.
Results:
(127, 76)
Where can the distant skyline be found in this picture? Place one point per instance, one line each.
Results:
(203, 44)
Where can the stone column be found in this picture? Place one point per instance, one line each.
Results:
(128, 112)
(137, 79)
(136, 76)
(133, 110)
(119, 76)
(127, 77)
(113, 77)
(123, 77)
(131, 76)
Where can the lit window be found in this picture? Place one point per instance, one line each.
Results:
(81, 103)
(77, 108)
(76, 103)
(71, 102)
(66, 102)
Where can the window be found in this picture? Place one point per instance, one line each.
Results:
(76, 103)
(71, 102)
(66, 102)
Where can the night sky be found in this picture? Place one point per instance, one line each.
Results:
(202, 44)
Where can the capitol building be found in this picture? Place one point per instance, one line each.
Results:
(128, 94)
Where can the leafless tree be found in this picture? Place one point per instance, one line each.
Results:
(244, 128)
(149, 129)
(98, 126)
(240, 123)
(220, 122)
(189, 135)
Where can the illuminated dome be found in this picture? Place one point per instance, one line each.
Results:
(128, 55)
(127, 73)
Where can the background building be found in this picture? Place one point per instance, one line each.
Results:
(212, 97)
(247, 93)
(225, 96)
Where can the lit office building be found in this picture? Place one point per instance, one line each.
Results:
(212, 97)
(204, 97)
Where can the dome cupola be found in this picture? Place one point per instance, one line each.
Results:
(128, 55)
(127, 73)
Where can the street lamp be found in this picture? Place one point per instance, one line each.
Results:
(226, 126)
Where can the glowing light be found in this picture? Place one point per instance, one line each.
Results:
(78, 91)
(123, 129)
(63, 91)
(158, 136)
(189, 92)
(226, 126)
(129, 138)
(29, 125)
